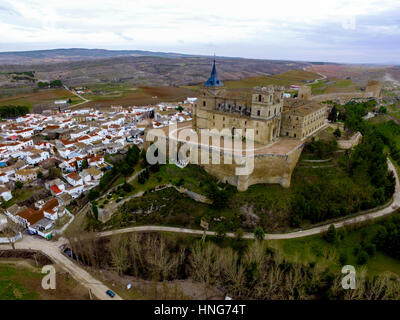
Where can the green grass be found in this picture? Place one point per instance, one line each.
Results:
(21, 195)
(11, 283)
(194, 178)
(316, 250)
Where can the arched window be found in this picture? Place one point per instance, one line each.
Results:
(259, 98)
(258, 112)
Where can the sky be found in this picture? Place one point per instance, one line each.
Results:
(352, 31)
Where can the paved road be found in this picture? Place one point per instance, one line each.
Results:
(290, 235)
(52, 250)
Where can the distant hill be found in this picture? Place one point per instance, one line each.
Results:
(75, 54)
(136, 67)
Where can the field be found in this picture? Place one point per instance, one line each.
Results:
(108, 95)
(333, 86)
(20, 279)
(288, 78)
(40, 97)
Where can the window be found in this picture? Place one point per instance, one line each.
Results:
(213, 117)
(287, 133)
(256, 131)
(204, 103)
(259, 98)
(223, 118)
(275, 111)
(269, 113)
(258, 112)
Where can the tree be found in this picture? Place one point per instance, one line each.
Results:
(54, 173)
(93, 194)
(362, 258)
(95, 211)
(331, 234)
(125, 169)
(127, 187)
(337, 133)
(179, 108)
(382, 109)
(18, 184)
(40, 175)
(333, 115)
(85, 164)
(218, 197)
(259, 233)
(142, 178)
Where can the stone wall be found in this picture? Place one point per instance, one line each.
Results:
(350, 143)
(268, 168)
(342, 97)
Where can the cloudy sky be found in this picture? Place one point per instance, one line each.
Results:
(359, 31)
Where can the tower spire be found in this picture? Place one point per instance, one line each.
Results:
(213, 80)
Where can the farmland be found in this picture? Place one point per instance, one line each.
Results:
(105, 96)
(39, 97)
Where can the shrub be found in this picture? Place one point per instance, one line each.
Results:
(18, 184)
(259, 234)
(362, 258)
(370, 249)
(331, 234)
(343, 258)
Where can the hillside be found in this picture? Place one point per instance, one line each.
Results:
(88, 67)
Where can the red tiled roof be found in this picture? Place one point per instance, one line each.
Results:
(55, 189)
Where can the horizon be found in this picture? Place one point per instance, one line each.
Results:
(205, 55)
(359, 32)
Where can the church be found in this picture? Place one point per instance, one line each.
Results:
(262, 109)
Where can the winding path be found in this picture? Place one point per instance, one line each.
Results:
(395, 204)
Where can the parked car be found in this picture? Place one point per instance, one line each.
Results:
(110, 293)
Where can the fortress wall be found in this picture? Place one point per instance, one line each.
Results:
(268, 168)
(342, 96)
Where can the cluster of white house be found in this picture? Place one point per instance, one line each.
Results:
(76, 142)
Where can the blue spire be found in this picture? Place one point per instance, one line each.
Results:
(213, 80)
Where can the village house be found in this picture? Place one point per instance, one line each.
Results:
(25, 175)
(74, 179)
(5, 193)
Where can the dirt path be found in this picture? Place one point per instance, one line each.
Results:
(52, 250)
(79, 96)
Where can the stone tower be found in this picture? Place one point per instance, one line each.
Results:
(304, 93)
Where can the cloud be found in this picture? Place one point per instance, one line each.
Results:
(285, 29)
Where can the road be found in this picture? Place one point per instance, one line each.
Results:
(78, 95)
(52, 250)
(272, 236)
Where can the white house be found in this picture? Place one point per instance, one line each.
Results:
(5, 193)
(74, 179)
